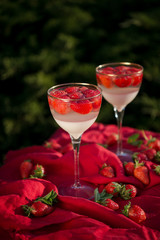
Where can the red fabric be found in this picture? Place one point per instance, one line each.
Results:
(78, 219)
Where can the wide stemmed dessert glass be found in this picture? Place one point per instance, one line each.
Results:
(120, 83)
(75, 107)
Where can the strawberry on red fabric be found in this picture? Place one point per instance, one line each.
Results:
(111, 204)
(156, 169)
(38, 171)
(107, 171)
(150, 153)
(134, 212)
(128, 191)
(113, 188)
(105, 199)
(129, 168)
(81, 106)
(41, 206)
(140, 156)
(154, 143)
(26, 168)
(52, 144)
(141, 173)
(112, 139)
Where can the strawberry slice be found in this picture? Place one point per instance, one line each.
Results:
(96, 101)
(104, 80)
(76, 95)
(82, 106)
(72, 89)
(123, 81)
(137, 79)
(61, 106)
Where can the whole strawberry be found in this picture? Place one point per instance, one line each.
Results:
(38, 171)
(26, 168)
(113, 188)
(129, 168)
(139, 156)
(134, 212)
(128, 191)
(41, 206)
(150, 153)
(156, 169)
(105, 199)
(157, 157)
(141, 172)
(107, 171)
(112, 139)
(154, 143)
(110, 204)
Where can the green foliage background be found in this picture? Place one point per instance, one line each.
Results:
(43, 43)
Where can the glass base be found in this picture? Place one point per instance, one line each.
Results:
(83, 191)
(125, 155)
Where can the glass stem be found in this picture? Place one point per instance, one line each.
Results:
(76, 146)
(119, 117)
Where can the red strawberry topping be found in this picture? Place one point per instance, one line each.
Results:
(82, 106)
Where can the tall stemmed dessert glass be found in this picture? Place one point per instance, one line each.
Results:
(75, 107)
(120, 83)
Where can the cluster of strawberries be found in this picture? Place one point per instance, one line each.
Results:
(62, 100)
(124, 76)
(150, 152)
(126, 192)
(30, 170)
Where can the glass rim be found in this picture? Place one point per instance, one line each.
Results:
(136, 65)
(73, 84)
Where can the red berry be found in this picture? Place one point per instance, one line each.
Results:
(38, 171)
(140, 156)
(41, 206)
(81, 106)
(155, 143)
(129, 168)
(72, 89)
(111, 204)
(137, 79)
(151, 153)
(104, 80)
(137, 214)
(76, 95)
(66, 148)
(134, 212)
(156, 168)
(141, 173)
(124, 81)
(61, 106)
(107, 171)
(39, 209)
(112, 139)
(113, 188)
(128, 191)
(25, 168)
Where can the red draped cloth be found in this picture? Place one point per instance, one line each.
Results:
(79, 218)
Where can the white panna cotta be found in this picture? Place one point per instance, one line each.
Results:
(74, 123)
(119, 97)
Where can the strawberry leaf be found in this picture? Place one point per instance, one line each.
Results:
(134, 140)
(101, 197)
(49, 199)
(126, 209)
